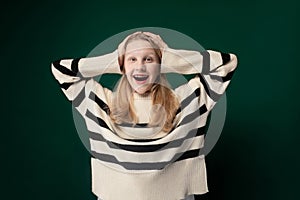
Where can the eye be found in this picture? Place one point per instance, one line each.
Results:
(132, 59)
(149, 59)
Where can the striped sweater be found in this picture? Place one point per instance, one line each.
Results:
(161, 166)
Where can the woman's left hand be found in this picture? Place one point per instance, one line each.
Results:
(162, 45)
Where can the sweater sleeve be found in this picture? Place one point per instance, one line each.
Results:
(213, 71)
(75, 76)
(194, 62)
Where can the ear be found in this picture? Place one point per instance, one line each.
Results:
(121, 62)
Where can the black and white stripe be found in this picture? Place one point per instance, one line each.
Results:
(185, 140)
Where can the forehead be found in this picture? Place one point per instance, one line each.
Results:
(139, 46)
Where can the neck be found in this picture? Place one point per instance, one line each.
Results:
(146, 95)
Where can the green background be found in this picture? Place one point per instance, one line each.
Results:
(257, 154)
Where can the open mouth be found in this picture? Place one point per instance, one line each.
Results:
(140, 78)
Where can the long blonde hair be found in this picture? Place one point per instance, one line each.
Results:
(164, 101)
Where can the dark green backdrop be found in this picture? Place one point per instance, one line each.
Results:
(257, 154)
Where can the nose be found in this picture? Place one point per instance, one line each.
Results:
(140, 66)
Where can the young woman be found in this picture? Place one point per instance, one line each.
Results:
(145, 137)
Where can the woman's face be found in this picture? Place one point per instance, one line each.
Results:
(141, 64)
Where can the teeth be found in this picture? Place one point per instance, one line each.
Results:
(140, 77)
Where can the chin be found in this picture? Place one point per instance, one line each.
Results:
(142, 90)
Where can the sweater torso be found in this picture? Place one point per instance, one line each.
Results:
(130, 163)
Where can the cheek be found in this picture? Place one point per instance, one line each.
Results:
(127, 68)
(155, 70)
(128, 71)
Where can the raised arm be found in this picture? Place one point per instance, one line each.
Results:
(72, 74)
(75, 77)
(213, 72)
(194, 62)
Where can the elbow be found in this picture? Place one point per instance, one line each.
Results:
(234, 60)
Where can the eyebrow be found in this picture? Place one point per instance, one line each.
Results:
(147, 54)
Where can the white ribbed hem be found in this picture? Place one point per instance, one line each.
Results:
(175, 182)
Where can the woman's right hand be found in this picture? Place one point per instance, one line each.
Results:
(156, 38)
(121, 47)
